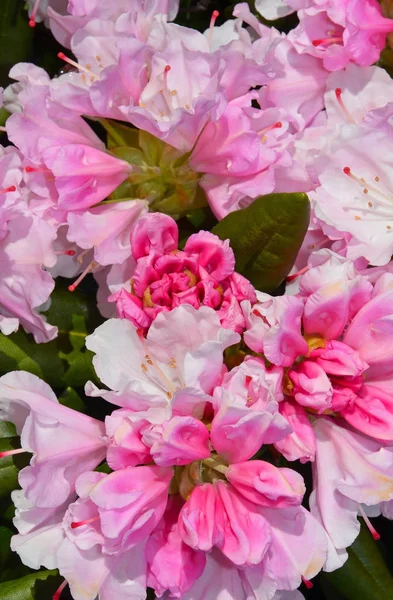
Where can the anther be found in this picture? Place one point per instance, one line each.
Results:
(65, 252)
(76, 524)
(297, 274)
(11, 188)
(37, 170)
(338, 92)
(62, 56)
(32, 21)
(309, 585)
(11, 452)
(57, 594)
(371, 528)
(213, 20)
(327, 41)
(81, 277)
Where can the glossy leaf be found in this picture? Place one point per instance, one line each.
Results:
(40, 585)
(266, 237)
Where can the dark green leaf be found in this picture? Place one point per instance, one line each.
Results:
(16, 37)
(364, 576)
(40, 585)
(266, 237)
(72, 399)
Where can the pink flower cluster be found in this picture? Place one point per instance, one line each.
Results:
(183, 491)
(202, 274)
(211, 386)
(193, 482)
(305, 129)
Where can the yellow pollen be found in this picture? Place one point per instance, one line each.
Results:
(173, 92)
(147, 301)
(143, 367)
(315, 341)
(370, 204)
(376, 178)
(357, 218)
(365, 191)
(388, 226)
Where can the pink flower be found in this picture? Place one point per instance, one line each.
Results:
(84, 173)
(172, 564)
(174, 369)
(25, 249)
(363, 206)
(64, 442)
(274, 327)
(239, 152)
(350, 470)
(343, 374)
(164, 277)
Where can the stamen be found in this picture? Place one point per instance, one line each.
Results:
(213, 20)
(263, 131)
(32, 22)
(350, 118)
(3, 129)
(327, 41)
(11, 188)
(12, 452)
(309, 585)
(81, 277)
(37, 170)
(57, 594)
(65, 252)
(378, 196)
(62, 56)
(371, 528)
(76, 524)
(297, 274)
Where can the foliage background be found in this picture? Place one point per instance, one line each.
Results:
(66, 365)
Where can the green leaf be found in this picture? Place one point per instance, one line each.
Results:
(266, 237)
(40, 585)
(364, 576)
(65, 361)
(10, 465)
(71, 399)
(16, 37)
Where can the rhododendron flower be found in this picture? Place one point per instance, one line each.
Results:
(337, 388)
(183, 486)
(64, 442)
(64, 146)
(202, 274)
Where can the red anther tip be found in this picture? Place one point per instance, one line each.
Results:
(29, 169)
(338, 91)
(12, 188)
(309, 585)
(376, 535)
(75, 524)
(316, 43)
(347, 170)
(32, 23)
(215, 14)
(167, 68)
(278, 125)
(72, 288)
(61, 55)
(70, 253)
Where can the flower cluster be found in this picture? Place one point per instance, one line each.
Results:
(213, 389)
